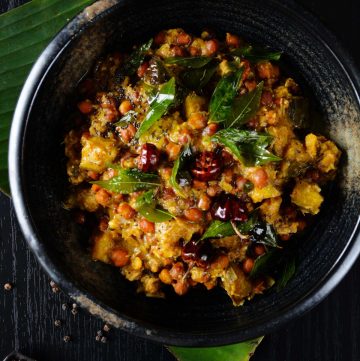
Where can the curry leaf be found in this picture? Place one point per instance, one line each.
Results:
(134, 60)
(286, 274)
(245, 107)
(247, 146)
(129, 180)
(256, 54)
(158, 107)
(178, 170)
(223, 96)
(265, 263)
(196, 79)
(146, 206)
(218, 229)
(193, 62)
(129, 117)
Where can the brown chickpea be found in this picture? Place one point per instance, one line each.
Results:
(126, 211)
(119, 257)
(248, 265)
(102, 197)
(259, 249)
(125, 106)
(193, 214)
(204, 202)
(232, 40)
(147, 226)
(85, 106)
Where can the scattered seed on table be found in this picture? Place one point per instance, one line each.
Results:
(98, 338)
(67, 338)
(99, 333)
(55, 289)
(57, 323)
(53, 284)
(8, 286)
(106, 328)
(64, 306)
(103, 339)
(74, 305)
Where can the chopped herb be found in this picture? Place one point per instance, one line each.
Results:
(247, 146)
(179, 175)
(245, 107)
(129, 180)
(158, 106)
(218, 229)
(223, 96)
(146, 206)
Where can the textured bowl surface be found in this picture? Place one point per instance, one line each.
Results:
(38, 177)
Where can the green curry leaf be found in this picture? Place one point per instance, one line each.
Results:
(196, 79)
(134, 60)
(178, 171)
(164, 98)
(221, 101)
(193, 62)
(247, 146)
(129, 180)
(245, 107)
(256, 54)
(286, 274)
(129, 117)
(146, 206)
(218, 229)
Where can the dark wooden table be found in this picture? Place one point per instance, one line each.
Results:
(330, 332)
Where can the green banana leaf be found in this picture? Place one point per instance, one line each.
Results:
(24, 33)
(237, 352)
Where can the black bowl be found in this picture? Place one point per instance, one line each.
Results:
(38, 178)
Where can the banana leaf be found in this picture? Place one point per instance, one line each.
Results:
(237, 352)
(24, 33)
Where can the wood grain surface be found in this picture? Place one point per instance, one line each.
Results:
(330, 332)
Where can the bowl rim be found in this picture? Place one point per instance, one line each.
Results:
(137, 327)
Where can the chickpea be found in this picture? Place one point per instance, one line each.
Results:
(173, 150)
(102, 197)
(232, 40)
(212, 46)
(221, 262)
(204, 202)
(193, 214)
(119, 257)
(199, 184)
(181, 288)
(248, 265)
(128, 133)
(142, 69)
(147, 226)
(95, 188)
(183, 39)
(259, 249)
(126, 211)
(165, 277)
(125, 106)
(177, 271)
(197, 121)
(211, 129)
(266, 70)
(85, 106)
(260, 178)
